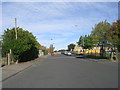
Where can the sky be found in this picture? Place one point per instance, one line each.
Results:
(63, 22)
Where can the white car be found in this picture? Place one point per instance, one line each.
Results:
(65, 52)
(69, 53)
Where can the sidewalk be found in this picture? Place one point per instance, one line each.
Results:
(11, 70)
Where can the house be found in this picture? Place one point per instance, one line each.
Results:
(77, 49)
(93, 50)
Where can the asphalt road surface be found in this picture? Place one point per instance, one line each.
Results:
(62, 71)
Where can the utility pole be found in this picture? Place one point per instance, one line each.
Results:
(83, 41)
(83, 44)
(16, 28)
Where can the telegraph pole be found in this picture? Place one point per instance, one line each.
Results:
(16, 28)
(83, 41)
(83, 44)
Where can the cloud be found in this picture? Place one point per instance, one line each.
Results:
(63, 21)
(57, 42)
(60, 0)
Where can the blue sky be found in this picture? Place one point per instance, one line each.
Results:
(64, 22)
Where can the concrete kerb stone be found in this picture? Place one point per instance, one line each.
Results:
(11, 70)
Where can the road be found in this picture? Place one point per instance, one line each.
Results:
(62, 71)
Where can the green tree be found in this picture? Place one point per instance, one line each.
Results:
(81, 40)
(86, 42)
(71, 46)
(99, 34)
(24, 48)
(0, 40)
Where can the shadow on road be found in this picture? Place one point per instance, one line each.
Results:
(90, 56)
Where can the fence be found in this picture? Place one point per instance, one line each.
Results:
(8, 59)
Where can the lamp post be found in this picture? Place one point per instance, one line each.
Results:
(51, 46)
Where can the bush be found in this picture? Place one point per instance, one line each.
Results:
(24, 48)
(45, 52)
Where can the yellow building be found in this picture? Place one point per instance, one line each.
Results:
(77, 48)
(80, 50)
(94, 50)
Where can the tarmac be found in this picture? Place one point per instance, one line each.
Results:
(11, 70)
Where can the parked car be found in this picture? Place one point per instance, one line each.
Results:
(52, 53)
(65, 52)
(69, 53)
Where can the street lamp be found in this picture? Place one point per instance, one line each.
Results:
(51, 46)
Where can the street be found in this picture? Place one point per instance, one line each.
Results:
(61, 71)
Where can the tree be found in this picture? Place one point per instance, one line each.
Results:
(0, 40)
(24, 48)
(44, 49)
(71, 47)
(80, 42)
(99, 35)
(86, 42)
(114, 35)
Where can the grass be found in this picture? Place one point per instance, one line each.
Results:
(107, 56)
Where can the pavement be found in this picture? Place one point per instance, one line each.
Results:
(11, 70)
